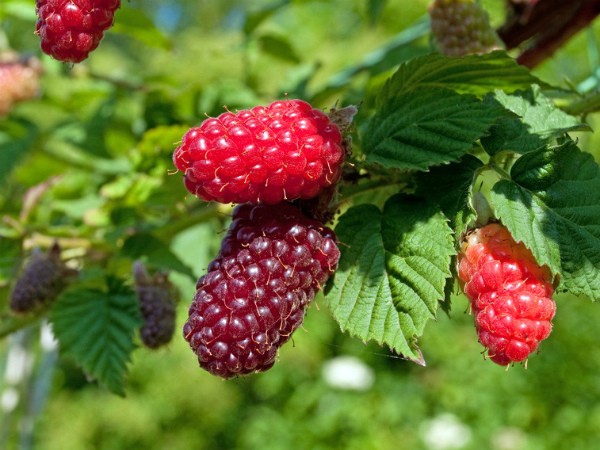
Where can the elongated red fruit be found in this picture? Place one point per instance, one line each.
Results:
(285, 151)
(510, 294)
(272, 262)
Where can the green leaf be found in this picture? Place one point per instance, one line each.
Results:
(375, 9)
(10, 257)
(16, 139)
(392, 272)
(536, 121)
(158, 144)
(255, 18)
(450, 187)
(135, 23)
(156, 252)
(402, 47)
(474, 74)
(96, 328)
(552, 205)
(279, 47)
(424, 128)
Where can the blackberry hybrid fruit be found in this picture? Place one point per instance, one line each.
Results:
(285, 151)
(157, 298)
(272, 262)
(42, 280)
(70, 29)
(462, 27)
(510, 294)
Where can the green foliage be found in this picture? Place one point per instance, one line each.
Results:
(10, 256)
(552, 204)
(472, 74)
(450, 187)
(89, 163)
(536, 124)
(392, 272)
(95, 328)
(424, 128)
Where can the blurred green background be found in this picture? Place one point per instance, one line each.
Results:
(167, 63)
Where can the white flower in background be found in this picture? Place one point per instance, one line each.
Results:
(509, 438)
(9, 399)
(445, 432)
(348, 372)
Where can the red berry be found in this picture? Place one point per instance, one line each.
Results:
(70, 29)
(284, 151)
(510, 294)
(272, 261)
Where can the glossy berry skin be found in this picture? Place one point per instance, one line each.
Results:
(272, 261)
(267, 154)
(70, 29)
(462, 27)
(510, 294)
(157, 298)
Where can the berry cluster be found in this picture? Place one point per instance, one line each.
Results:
(42, 280)
(70, 29)
(272, 261)
(462, 27)
(274, 257)
(284, 151)
(157, 298)
(510, 294)
(20, 80)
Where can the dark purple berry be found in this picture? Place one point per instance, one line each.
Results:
(157, 298)
(43, 278)
(272, 261)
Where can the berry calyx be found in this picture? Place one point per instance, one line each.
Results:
(158, 299)
(70, 29)
(272, 262)
(285, 151)
(510, 294)
(462, 27)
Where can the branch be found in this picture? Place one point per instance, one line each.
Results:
(543, 27)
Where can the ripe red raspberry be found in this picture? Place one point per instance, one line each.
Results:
(510, 294)
(19, 80)
(462, 27)
(284, 151)
(272, 261)
(157, 298)
(42, 280)
(71, 29)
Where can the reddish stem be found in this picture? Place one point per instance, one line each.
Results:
(544, 26)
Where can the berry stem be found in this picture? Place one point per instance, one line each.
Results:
(350, 190)
(586, 104)
(193, 217)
